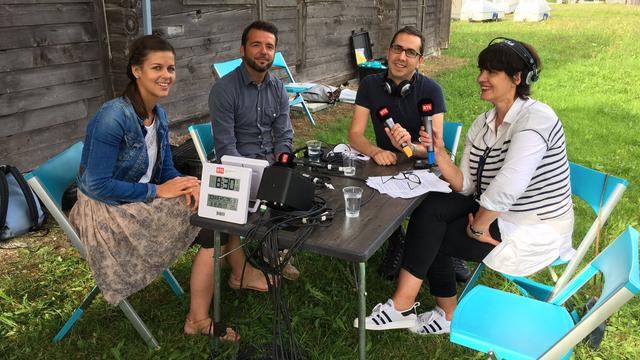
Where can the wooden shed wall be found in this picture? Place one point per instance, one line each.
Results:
(51, 76)
(314, 37)
(59, 60)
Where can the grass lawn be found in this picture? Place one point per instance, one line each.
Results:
(591, 57)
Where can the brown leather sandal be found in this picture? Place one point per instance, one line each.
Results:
(253, 280)
(236, 285)
(208, 328)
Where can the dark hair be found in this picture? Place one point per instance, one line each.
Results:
(500, 56)
(138, 52)
(259, 25)
(411, 30)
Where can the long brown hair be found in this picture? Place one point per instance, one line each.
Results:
(138, 52)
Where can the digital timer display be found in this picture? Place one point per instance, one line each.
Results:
(224, 194)
(225, 183)
(222, 202)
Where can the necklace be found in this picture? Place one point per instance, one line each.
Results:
(150, 119)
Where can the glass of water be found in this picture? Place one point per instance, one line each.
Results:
(352, 198)
(314, 149)
(349, 163)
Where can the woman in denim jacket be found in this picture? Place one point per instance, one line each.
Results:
(131, 211)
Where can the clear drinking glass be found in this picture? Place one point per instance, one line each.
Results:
(314, 150)
(349, 163)
(352, 198)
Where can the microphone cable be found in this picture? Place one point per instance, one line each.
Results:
(267, 258)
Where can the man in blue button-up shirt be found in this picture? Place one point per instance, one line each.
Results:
(250, 117)
(249, 107)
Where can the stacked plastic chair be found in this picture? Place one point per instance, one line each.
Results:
(510, 326)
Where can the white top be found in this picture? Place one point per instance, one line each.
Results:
(151, 141)
(526, 179)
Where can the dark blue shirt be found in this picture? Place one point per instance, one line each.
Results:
(248, 119)
(404, 110)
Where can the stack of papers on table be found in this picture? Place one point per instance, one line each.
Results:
(408, 184)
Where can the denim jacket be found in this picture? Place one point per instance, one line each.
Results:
(114, 157)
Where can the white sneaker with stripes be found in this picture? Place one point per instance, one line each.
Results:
(386, 317)
(432, 322)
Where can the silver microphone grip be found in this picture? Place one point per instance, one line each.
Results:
(428, 125)
(389, 123)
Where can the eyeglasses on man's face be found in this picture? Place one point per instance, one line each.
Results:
(397, 49)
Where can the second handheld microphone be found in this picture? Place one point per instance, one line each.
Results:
(425, 109)
(384, 115)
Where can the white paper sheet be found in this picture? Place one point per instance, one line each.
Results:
(406, 188)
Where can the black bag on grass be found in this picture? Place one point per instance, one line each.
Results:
(20, 210)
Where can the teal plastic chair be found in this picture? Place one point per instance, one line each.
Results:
(223, 68)
(601, 192)
(510, 326)
(202, 136)
(49, 181)
(451, 132)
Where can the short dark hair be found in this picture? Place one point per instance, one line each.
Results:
(499, 56)
(138, 52)
(260, 25)
(411, 30)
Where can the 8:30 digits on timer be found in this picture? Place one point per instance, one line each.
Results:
(225, 183)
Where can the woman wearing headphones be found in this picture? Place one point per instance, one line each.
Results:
(511, 207)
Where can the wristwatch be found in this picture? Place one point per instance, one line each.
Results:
(475, 232)
(414, 147)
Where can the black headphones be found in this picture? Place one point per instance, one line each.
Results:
(521, 50)
(401, 90)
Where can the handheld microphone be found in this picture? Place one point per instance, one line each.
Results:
(425, 109)
(384, 115)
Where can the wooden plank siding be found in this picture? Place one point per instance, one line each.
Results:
(59, 60)
(51, 74)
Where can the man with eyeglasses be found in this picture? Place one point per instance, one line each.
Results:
(400, 89)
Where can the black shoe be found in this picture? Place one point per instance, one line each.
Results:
(462, 271)
(390, 266)
(595, 338)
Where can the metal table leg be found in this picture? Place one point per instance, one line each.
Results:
(362, 303)
(216, 276)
